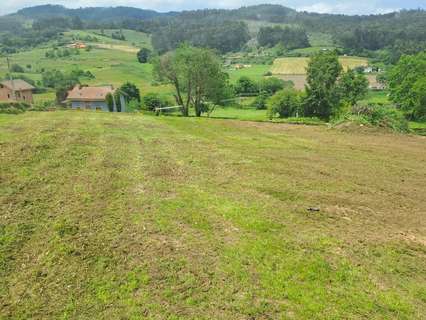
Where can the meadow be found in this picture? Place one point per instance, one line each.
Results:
(125, 216)
(297, 66)
(111, 61)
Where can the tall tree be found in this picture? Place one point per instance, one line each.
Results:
(196, 75)
(353, 86)
(406, 81)
(322, 96)
(130, 92)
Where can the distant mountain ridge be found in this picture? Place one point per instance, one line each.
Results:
(90, 13)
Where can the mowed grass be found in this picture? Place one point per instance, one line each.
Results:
(120, 216)
(298, 65)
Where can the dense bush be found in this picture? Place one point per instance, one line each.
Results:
(13, 107)
(246, 86)
(260, 101)
(384, 116)
(17, 68)
(143, 55)
(151, 101)
(271, 85)
(285, 103)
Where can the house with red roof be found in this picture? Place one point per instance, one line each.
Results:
(16, 90)
(91, 98)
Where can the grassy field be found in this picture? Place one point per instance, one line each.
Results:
(120, 216)
(111, 62)
(290, 66)
(255, 72)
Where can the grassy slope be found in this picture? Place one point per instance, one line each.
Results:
(112, 65)
(123, 216)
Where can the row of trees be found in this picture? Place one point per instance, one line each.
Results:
(197, 77)
(329, 89)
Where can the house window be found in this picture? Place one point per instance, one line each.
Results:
(8, 96)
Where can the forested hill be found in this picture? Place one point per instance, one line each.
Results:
(94, 13)
(269, 25)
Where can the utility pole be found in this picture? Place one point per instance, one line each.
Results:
(11, 80)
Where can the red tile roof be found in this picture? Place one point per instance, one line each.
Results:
(18, 85)
(89, 93)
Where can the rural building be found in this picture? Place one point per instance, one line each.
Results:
(16, 90)
(78, 45)
(92, 98)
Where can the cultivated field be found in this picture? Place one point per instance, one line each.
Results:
(121, 216)
(291, 66)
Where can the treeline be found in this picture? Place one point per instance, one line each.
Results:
(289, 37)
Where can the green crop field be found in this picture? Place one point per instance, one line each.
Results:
(298, 65)
(124, 216)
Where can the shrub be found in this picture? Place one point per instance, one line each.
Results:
(143, 55)
(110, 102)
(246, 86)
(133, 106)
(284, 104)
(13, 107)
(43, 106)
(152, 100)
(260, 102)
(384, 116)
(17, 68)
(271, 85)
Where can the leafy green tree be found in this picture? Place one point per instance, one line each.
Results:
(271, 85)
(246, 86)
(130, 92)
(151, 101)
(406, 81)
(285, 103)
(143, 55)
(110, 102)
(322, 96)
(196, 75)
(353, 86)
(260, 101)
(419, 90)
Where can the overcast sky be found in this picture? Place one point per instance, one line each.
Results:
(322, 6)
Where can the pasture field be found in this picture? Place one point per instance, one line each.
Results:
(109, 66)
(292, 66)
(256, 72)
(132, 38)
(123, 216)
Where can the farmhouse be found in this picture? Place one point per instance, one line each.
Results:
(77, 45)
(92, 98)
(16, 90)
